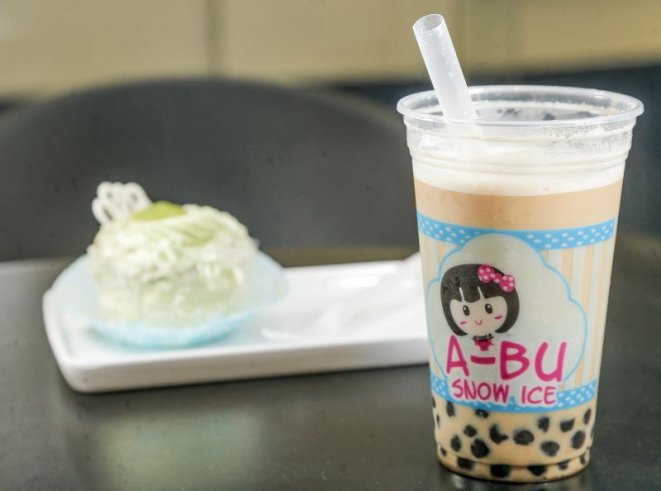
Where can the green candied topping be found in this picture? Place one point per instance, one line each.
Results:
(159, 211)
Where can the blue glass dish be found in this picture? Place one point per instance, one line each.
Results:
(75, 293)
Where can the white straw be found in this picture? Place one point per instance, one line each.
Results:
(442, 63)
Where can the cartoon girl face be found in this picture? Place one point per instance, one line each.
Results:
(481, 317)
(479, 300)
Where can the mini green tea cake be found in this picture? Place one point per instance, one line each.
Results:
(164, 264)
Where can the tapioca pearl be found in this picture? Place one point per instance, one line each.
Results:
(496, 435)
(433, 402)
(582, 459)
(563, 465)
(470, 431)
(444, 452)
(438, 420)
(537, 470)
(567, 425)
(578, 439)
(481, 413)
(455, 443)
(465, 463)
(523, 437)
(543, 423)
(550, 448)
(449, 408)
(500, 470)
(587, 416)
(479, 449)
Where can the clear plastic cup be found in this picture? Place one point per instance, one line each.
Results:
(517, 214)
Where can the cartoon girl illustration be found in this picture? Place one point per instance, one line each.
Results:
(479, 300)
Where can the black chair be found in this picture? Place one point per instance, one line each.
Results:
(300, 169)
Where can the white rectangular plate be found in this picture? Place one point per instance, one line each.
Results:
(334, 318)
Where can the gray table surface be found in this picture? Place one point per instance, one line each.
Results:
(364, 430)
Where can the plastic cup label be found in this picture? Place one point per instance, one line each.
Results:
(516, 315)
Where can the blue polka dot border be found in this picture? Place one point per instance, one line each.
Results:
(539, 239)
(565, 398)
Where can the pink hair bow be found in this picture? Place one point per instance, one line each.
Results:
(487, 274)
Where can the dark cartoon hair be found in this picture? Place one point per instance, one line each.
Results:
(465, 277)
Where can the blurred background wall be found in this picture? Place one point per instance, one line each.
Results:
(363, 48)
(53, 47)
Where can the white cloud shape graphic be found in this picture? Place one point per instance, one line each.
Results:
(547, 312)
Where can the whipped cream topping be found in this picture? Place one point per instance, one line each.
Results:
(172, 270)
(203, 239)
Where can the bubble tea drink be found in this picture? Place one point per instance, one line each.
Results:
(517, 213)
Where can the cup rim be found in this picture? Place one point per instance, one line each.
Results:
(633, 107)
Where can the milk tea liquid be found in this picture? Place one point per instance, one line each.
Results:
(517, 231)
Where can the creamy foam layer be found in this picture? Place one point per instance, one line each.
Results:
(527, 141)
(461, 160)
(508, 184)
